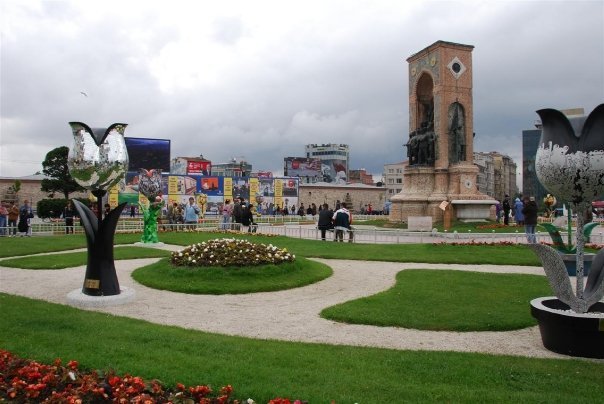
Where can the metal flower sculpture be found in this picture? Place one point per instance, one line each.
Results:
(149, 184)
(97, 161)
(570, 164)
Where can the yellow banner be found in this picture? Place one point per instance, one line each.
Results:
(113, 197)
(278, 188)
(228, 187)
(254, 186)
(278, 201)
(172, 185)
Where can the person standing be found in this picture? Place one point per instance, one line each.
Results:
(506, 209)
(324, 222)
(227, 213)
(13, 215)
(518, 216)
(530, 220)
(342, 219)
(25, 215)
(191, 214)
(3, 219)
(68, 214)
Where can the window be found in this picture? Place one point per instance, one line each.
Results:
(399, 180)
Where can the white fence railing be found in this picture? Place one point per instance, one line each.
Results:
(307, 230)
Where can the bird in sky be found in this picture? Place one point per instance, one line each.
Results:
(84, 94)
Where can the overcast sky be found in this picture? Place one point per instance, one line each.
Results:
(261, 79)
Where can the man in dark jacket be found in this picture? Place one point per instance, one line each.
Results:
(506, 210)
(530, 220)
(324, 223)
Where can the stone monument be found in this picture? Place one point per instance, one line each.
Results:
(440, 147)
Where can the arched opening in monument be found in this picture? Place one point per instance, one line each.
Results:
(425, 101)
(421, 146)
(457, 133)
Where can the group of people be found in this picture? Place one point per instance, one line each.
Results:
(339, 221)
(16, 220)
(240, 212)
(524, 212)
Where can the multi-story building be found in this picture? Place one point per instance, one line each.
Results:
(496, 174)
(237, 167)
(393, 178)
(334, 161)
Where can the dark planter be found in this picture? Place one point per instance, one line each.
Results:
(569, 333)
(570, 261)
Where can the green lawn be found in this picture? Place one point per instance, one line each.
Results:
(265, 369)
(316, 372)
(231, 280)
(443, 300)
(74, 259)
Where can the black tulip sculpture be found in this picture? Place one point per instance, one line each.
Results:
(97, 161)
(570, 164)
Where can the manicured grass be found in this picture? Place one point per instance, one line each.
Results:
(266, 369)
(447, 300)
(74, 259)
(18, 246)
(428, 253)
(231, 280)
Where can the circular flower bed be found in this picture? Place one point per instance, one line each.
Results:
(227, 252)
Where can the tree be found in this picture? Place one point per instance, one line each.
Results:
(55, 168)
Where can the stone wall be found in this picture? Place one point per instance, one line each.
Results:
(361, 196)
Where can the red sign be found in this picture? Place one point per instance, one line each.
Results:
(199, 167)
(265, 174)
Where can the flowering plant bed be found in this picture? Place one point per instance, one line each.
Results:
(230, 252)
(28, 381)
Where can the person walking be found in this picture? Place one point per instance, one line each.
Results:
(191, 214)
(530, 220)
(68, 214)
(325, 222)
(342, 219)
(13, 215)
(25, 215)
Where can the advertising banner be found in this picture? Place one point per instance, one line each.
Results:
(302, 167)
(228, 188)
(334, 171)
(212, 186)
(199, 167)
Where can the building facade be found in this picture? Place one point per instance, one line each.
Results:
(237, 167)
(360, 176)
(394, 178)
(530, 183)
(359, 195)
(496, 174)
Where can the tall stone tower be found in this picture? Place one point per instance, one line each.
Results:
(441, 139)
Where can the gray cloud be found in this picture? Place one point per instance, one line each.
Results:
(245, 82)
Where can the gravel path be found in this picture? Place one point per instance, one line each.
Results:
(291, 315)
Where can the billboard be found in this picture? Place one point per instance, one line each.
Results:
(302, 167)
(199, 167)
(148, 153)
(263, 192)
(333, 171)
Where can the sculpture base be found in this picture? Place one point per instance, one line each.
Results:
(78, 299)
(567, 332)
